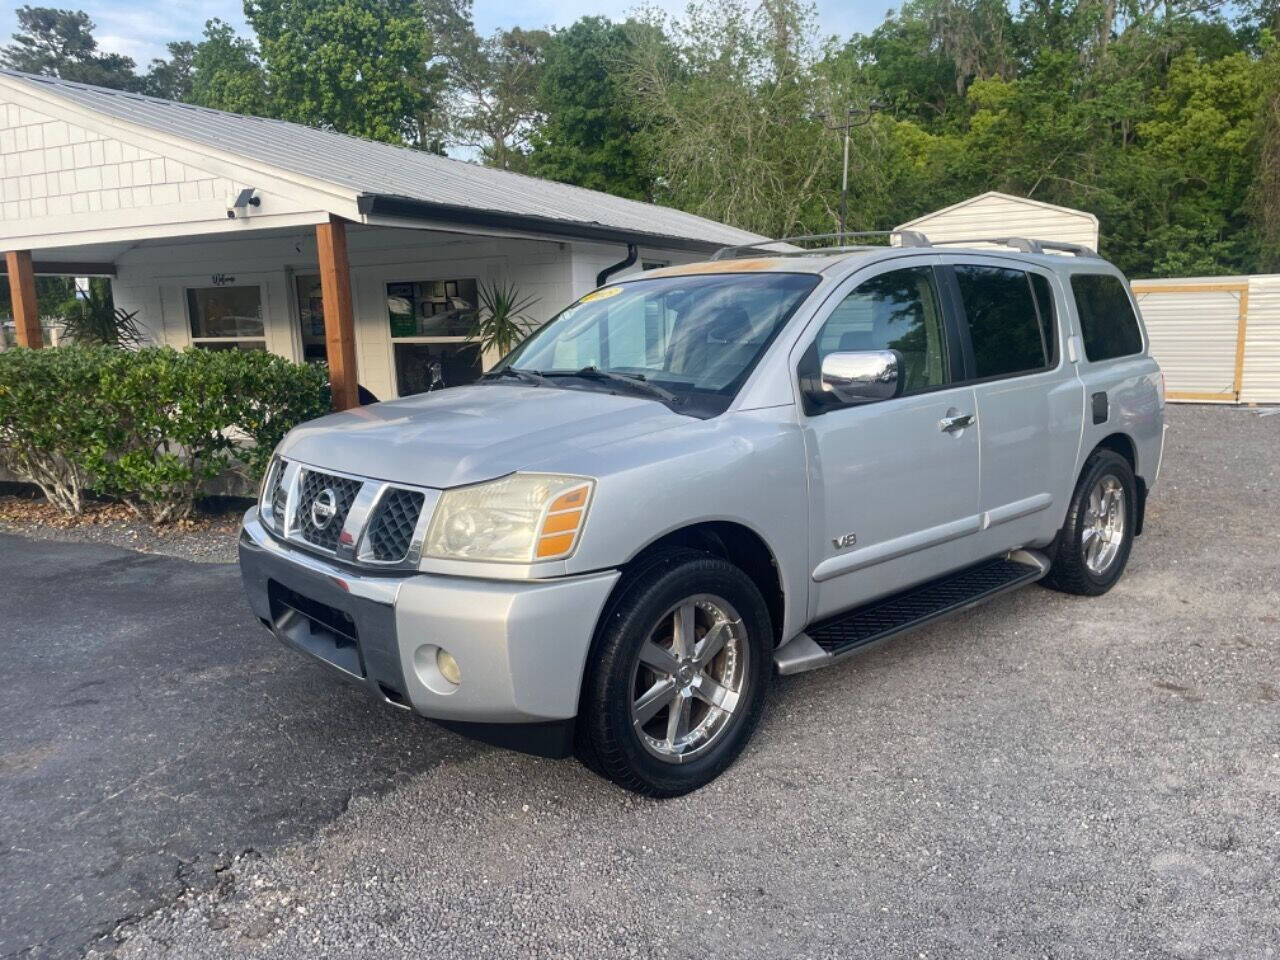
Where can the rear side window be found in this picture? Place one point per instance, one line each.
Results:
(1007, 329)
(1107, 322)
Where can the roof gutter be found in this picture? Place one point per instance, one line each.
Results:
(406, 208)
(632, 253)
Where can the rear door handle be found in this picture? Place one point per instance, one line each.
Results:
(952, 424)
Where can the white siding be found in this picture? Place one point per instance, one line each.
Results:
(1261, 380)
(1002, 215)
(53, 168)
(1193, 338)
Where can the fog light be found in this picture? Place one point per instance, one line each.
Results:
(448, 667)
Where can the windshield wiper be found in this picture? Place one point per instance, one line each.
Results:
(634, 381)
(526, 376)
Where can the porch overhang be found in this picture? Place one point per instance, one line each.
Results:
(403, 210)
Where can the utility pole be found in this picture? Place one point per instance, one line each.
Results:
(853, 117)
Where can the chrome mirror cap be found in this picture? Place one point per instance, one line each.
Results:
(865, 376)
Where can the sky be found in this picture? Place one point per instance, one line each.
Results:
(141, 28)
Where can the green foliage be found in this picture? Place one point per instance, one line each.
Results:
(227, 73)
(94, 319)
(172, 79)
(492, 83)
(501, 322)
(591, 134)
(149, 427)
(50, 419)
(60, 43)
(357, 66)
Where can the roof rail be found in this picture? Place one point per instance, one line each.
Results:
(1025, 245)
(908, 238)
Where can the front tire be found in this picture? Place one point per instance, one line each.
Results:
(677, 681)
(1094, 543)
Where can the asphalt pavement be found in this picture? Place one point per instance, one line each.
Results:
(1045, 776)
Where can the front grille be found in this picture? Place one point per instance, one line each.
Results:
(312, 488)
(391, 531)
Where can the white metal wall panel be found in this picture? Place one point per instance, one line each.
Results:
(1193, 338)
(1261, 380)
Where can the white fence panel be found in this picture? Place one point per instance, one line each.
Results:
(1193, 337)
(1260, 382)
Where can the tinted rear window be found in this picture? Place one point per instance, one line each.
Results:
(1107, 322)
(1008, 334)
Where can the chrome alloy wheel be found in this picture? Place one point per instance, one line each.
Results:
(1104, 525)
(689, 678)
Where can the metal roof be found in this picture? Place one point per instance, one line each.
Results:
(401, 181)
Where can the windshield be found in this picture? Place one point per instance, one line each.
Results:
(697, 338)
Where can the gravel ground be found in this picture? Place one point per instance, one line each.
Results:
(1045, 776)
(209, 537)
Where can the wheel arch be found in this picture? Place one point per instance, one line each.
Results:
(1122, 444)
(730, 540)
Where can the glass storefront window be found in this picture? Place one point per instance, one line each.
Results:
(226, 318)
(431, 322)
(311, 318)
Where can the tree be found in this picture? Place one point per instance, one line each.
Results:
(490, 83)
(356, 66)
(171, 79)
(226, 73)
(591, 134)
(60, 43)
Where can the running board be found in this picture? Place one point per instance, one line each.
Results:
(863, 627)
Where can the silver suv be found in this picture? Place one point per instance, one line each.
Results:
(697, 477)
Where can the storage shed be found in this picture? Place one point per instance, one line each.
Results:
(994, 214)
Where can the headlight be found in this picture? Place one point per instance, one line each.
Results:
(519, 519)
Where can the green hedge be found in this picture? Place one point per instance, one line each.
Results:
(148, 427)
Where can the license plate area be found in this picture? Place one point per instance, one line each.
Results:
(318, 628)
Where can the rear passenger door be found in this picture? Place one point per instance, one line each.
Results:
(1029, 399)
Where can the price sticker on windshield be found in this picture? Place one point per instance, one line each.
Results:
(604, 294)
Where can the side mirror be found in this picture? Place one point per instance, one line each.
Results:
(866, 376)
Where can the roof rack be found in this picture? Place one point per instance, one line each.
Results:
(1024, 245)
(908, 238)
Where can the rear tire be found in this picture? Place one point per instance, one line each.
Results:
(1093, 545)
(677, 680)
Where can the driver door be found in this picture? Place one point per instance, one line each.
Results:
(893, 487)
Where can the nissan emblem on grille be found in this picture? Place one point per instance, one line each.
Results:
(323, 508)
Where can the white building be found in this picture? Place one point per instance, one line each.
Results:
(995, 214)
(234, 232)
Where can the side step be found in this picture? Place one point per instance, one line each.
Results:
(829, 640)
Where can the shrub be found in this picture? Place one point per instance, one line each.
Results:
(49, 419)
(151, 427)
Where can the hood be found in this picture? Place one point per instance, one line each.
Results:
(469, 434)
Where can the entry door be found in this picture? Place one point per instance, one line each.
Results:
(894, 485)
(1029, 398)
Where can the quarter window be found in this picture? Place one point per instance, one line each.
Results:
(1107, 322)
(226, 318)
(898, 310)
(1007, 331)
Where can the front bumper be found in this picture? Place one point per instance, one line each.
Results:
(521, 645)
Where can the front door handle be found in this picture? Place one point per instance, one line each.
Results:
(959, 422)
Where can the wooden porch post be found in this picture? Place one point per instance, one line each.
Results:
(22, 293)
(339, 318)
